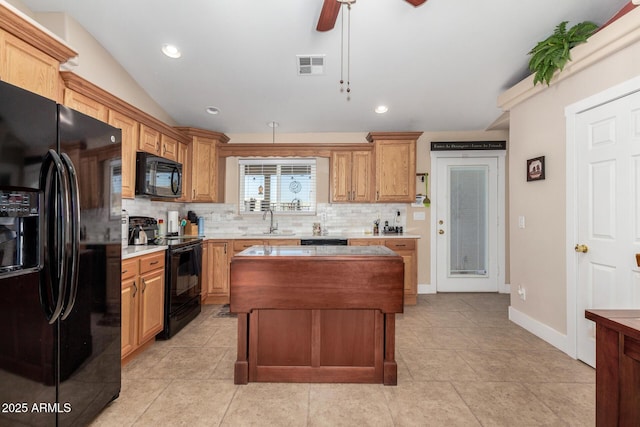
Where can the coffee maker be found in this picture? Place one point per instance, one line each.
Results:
(143, 230)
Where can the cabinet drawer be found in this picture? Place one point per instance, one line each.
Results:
(129, 268)
(241, 245)
(400, 244)
(151, 262)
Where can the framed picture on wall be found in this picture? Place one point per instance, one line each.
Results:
(535, 169)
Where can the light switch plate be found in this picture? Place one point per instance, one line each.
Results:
(419, 216)
(521, 222)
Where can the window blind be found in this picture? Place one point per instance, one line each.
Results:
(282, 185)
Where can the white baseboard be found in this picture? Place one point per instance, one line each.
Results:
(426, 289)
(540, 330)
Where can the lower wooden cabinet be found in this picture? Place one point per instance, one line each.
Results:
(216, 257)
(142, 302)
(406, 248)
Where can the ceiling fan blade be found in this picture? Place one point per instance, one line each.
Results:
(416, 3)
(328, 15)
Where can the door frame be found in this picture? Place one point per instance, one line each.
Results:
(500, 156)
(571, 112)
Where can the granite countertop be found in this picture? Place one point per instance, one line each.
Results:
(355, 235)
(315, 251)
(137, 250)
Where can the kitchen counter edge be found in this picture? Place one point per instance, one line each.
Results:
(303, 236)
(134, 251)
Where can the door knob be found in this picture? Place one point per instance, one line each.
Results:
(440, 231)
(581, 248)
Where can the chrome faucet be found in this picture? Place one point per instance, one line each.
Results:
(271, 227)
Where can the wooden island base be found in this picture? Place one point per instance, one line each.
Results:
(320, 317)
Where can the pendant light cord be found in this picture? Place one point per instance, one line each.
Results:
(348, 47)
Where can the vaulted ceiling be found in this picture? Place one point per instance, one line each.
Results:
(438, 67)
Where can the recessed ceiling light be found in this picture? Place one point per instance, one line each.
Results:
(212, 110)
(171, 51)
(381, 109)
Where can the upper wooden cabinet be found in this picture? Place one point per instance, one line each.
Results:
(30, 57)
(207, 172)
(154, 142)
(184, 157)
(395, 159)
(86, 105)
(140, 131)
(351, 176)
(129, 129)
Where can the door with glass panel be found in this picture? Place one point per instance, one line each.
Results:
(466, 225)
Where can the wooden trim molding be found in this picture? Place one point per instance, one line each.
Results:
(78, 84)
(203, 133)
(288, 150)
(15, 22)
(386, 136)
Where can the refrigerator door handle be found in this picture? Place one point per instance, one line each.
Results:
(53, 170)
(74, 243)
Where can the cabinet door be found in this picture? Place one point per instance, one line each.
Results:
(184, 157)
(341, 176)
(129, 315)
(169, 147)
(86, 105)
(149, 140)
(129, 129)
(220, 268)
(406, 248)
(204, 170)
(151, 304)
(25, 66)
(395, 171)
(361, 177)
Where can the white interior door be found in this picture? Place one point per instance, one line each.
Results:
(608, 185)
(466, 224)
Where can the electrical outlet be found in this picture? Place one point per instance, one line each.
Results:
(522, 292)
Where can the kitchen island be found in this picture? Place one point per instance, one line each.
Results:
(316, 313)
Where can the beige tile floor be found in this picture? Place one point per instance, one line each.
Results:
(461, 362)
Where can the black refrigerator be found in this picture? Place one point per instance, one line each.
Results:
(60, 246)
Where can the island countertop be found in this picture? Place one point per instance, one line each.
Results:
(262, 251)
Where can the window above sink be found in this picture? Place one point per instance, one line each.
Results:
(282, 185)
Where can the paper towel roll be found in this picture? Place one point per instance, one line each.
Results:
(173, 222)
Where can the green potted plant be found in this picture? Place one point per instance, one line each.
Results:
(552, 53)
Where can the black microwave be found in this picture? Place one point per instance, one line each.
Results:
(157, 176)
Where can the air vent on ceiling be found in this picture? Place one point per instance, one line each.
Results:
(310, 65)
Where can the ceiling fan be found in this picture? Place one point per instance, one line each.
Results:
(331, 8)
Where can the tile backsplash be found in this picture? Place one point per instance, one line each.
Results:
(221, 218)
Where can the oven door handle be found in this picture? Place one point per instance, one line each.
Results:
(184, 249)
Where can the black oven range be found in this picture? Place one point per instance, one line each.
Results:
(183, 271)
